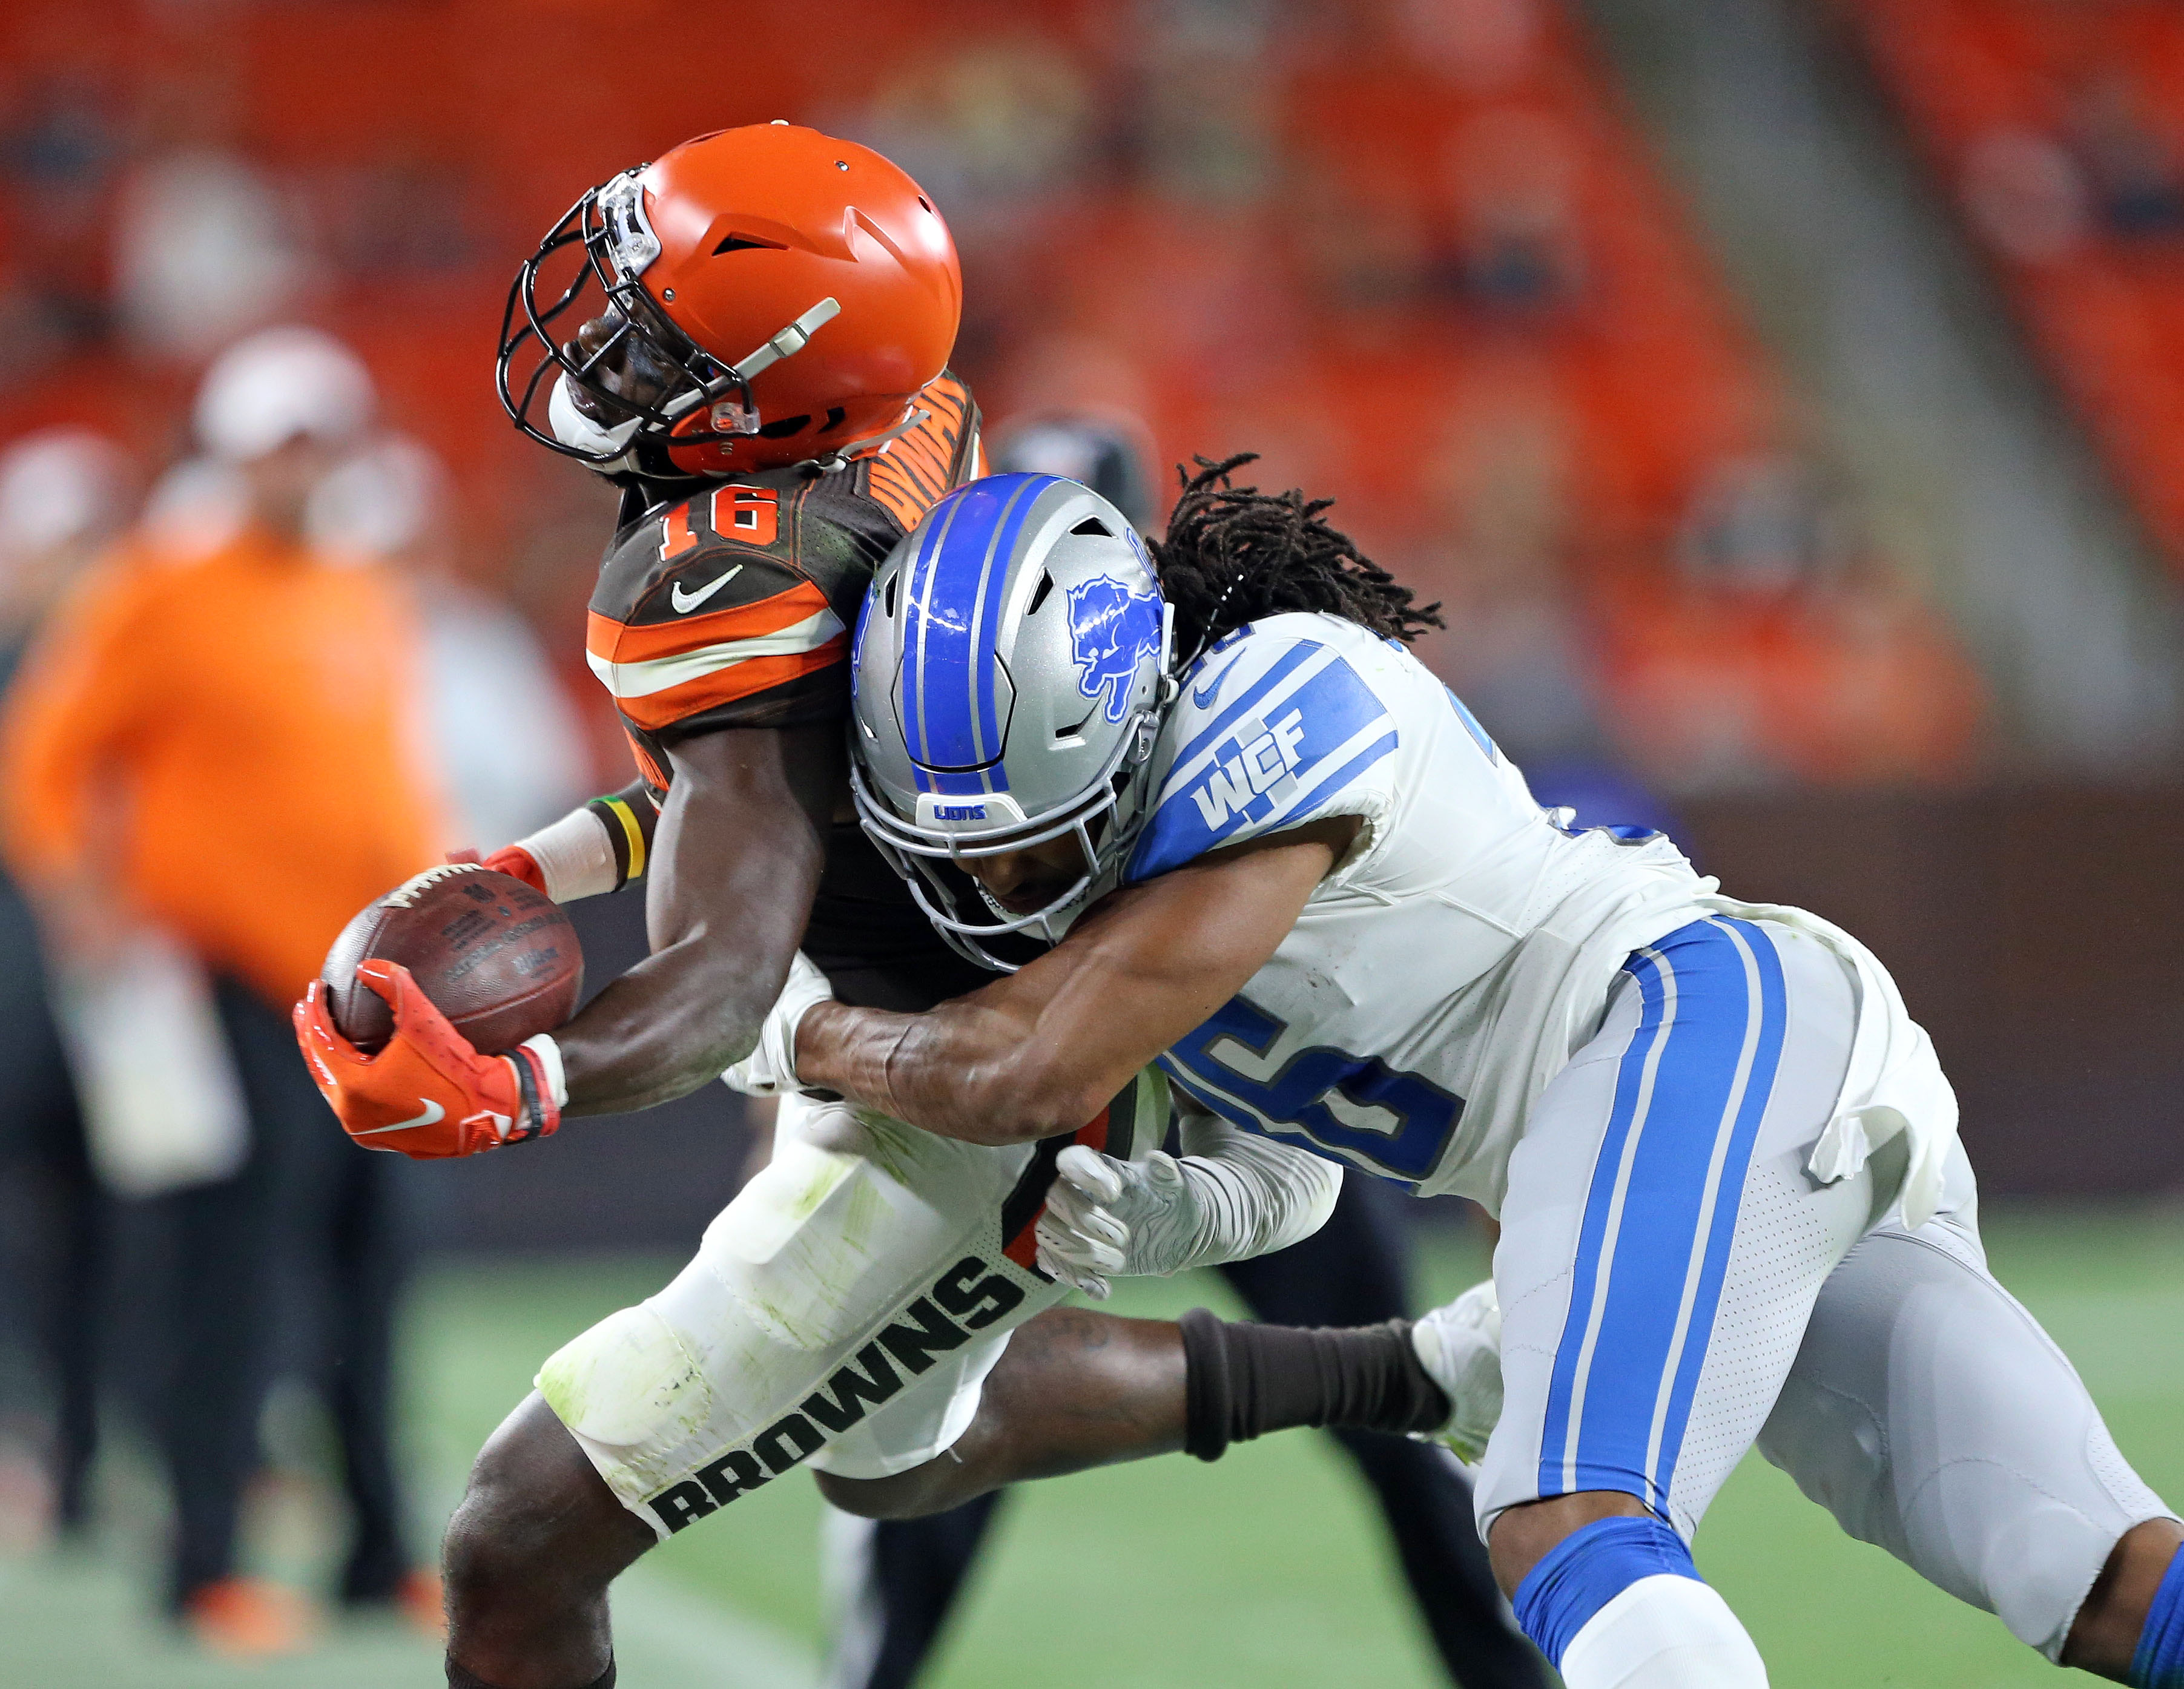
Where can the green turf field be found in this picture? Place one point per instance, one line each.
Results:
(1266, 1570)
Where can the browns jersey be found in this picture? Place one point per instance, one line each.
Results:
(732, 607)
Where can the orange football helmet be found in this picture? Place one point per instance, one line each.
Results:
(719, 264)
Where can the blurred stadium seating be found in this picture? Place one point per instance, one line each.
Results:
(1422, 257)
(2058, 133)
(1414, 255)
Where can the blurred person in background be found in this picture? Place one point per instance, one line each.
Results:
(206, 244)
(1498, 502)
(60, 155)
(209, 742)
(893, 1582)
(65, 494)
(494, 723)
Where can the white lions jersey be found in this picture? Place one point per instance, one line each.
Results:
(1458, 954)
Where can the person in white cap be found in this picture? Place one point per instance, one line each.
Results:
(210, 740)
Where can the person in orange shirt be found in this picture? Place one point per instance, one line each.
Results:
(210, 740)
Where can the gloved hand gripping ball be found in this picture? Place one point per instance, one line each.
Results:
(426, 1092)
(427, 1031)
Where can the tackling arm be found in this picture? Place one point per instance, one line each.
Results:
(1041, 1051)
(1233, 1194)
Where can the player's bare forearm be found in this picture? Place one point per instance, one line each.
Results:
(734, 862)
(1042, 1051)
(934, 1070)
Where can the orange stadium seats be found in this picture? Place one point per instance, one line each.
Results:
(1362, 240)
(2059, 131)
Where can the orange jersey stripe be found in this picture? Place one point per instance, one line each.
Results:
(896, 494)
(661, 709)
(906, 496)
(930, 445)
(909, 475)
(614, 642)
(946, 401)
(928, 468)
(920, 479)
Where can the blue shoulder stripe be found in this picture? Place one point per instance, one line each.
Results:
(1470, 723)
(1277, 763)
(1283, 666)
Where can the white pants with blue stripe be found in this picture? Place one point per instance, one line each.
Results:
(1673, 1282)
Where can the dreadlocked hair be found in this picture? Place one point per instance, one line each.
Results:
(1233, 554)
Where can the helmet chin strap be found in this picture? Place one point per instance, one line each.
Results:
(788, 343)
(792, 340)
(740, 374)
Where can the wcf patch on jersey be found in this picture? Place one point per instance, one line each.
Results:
(1280, 749)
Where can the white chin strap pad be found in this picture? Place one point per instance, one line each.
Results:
(1663, 1632)
(573, 429)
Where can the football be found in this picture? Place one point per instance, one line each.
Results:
(500, 960)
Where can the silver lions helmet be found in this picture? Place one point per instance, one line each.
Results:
(1010, 670)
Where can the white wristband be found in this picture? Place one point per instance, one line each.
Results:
(575, 856)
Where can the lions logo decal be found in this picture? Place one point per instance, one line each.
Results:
(1111, 629)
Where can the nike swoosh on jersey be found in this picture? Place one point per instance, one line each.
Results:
(433, 1114)
(685, 602)
(1202, 696)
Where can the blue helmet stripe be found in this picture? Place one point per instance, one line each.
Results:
(955, 588)
(985, 621)
(917, 592)
(940, 659)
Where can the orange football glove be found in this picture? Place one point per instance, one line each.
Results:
(510, 859)
(428, 1094)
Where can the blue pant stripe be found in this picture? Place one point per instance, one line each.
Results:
(1766, 1035)
(1630, 1084)
(1661, 1210)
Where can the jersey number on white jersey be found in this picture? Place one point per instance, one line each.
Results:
(1354, 1108)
